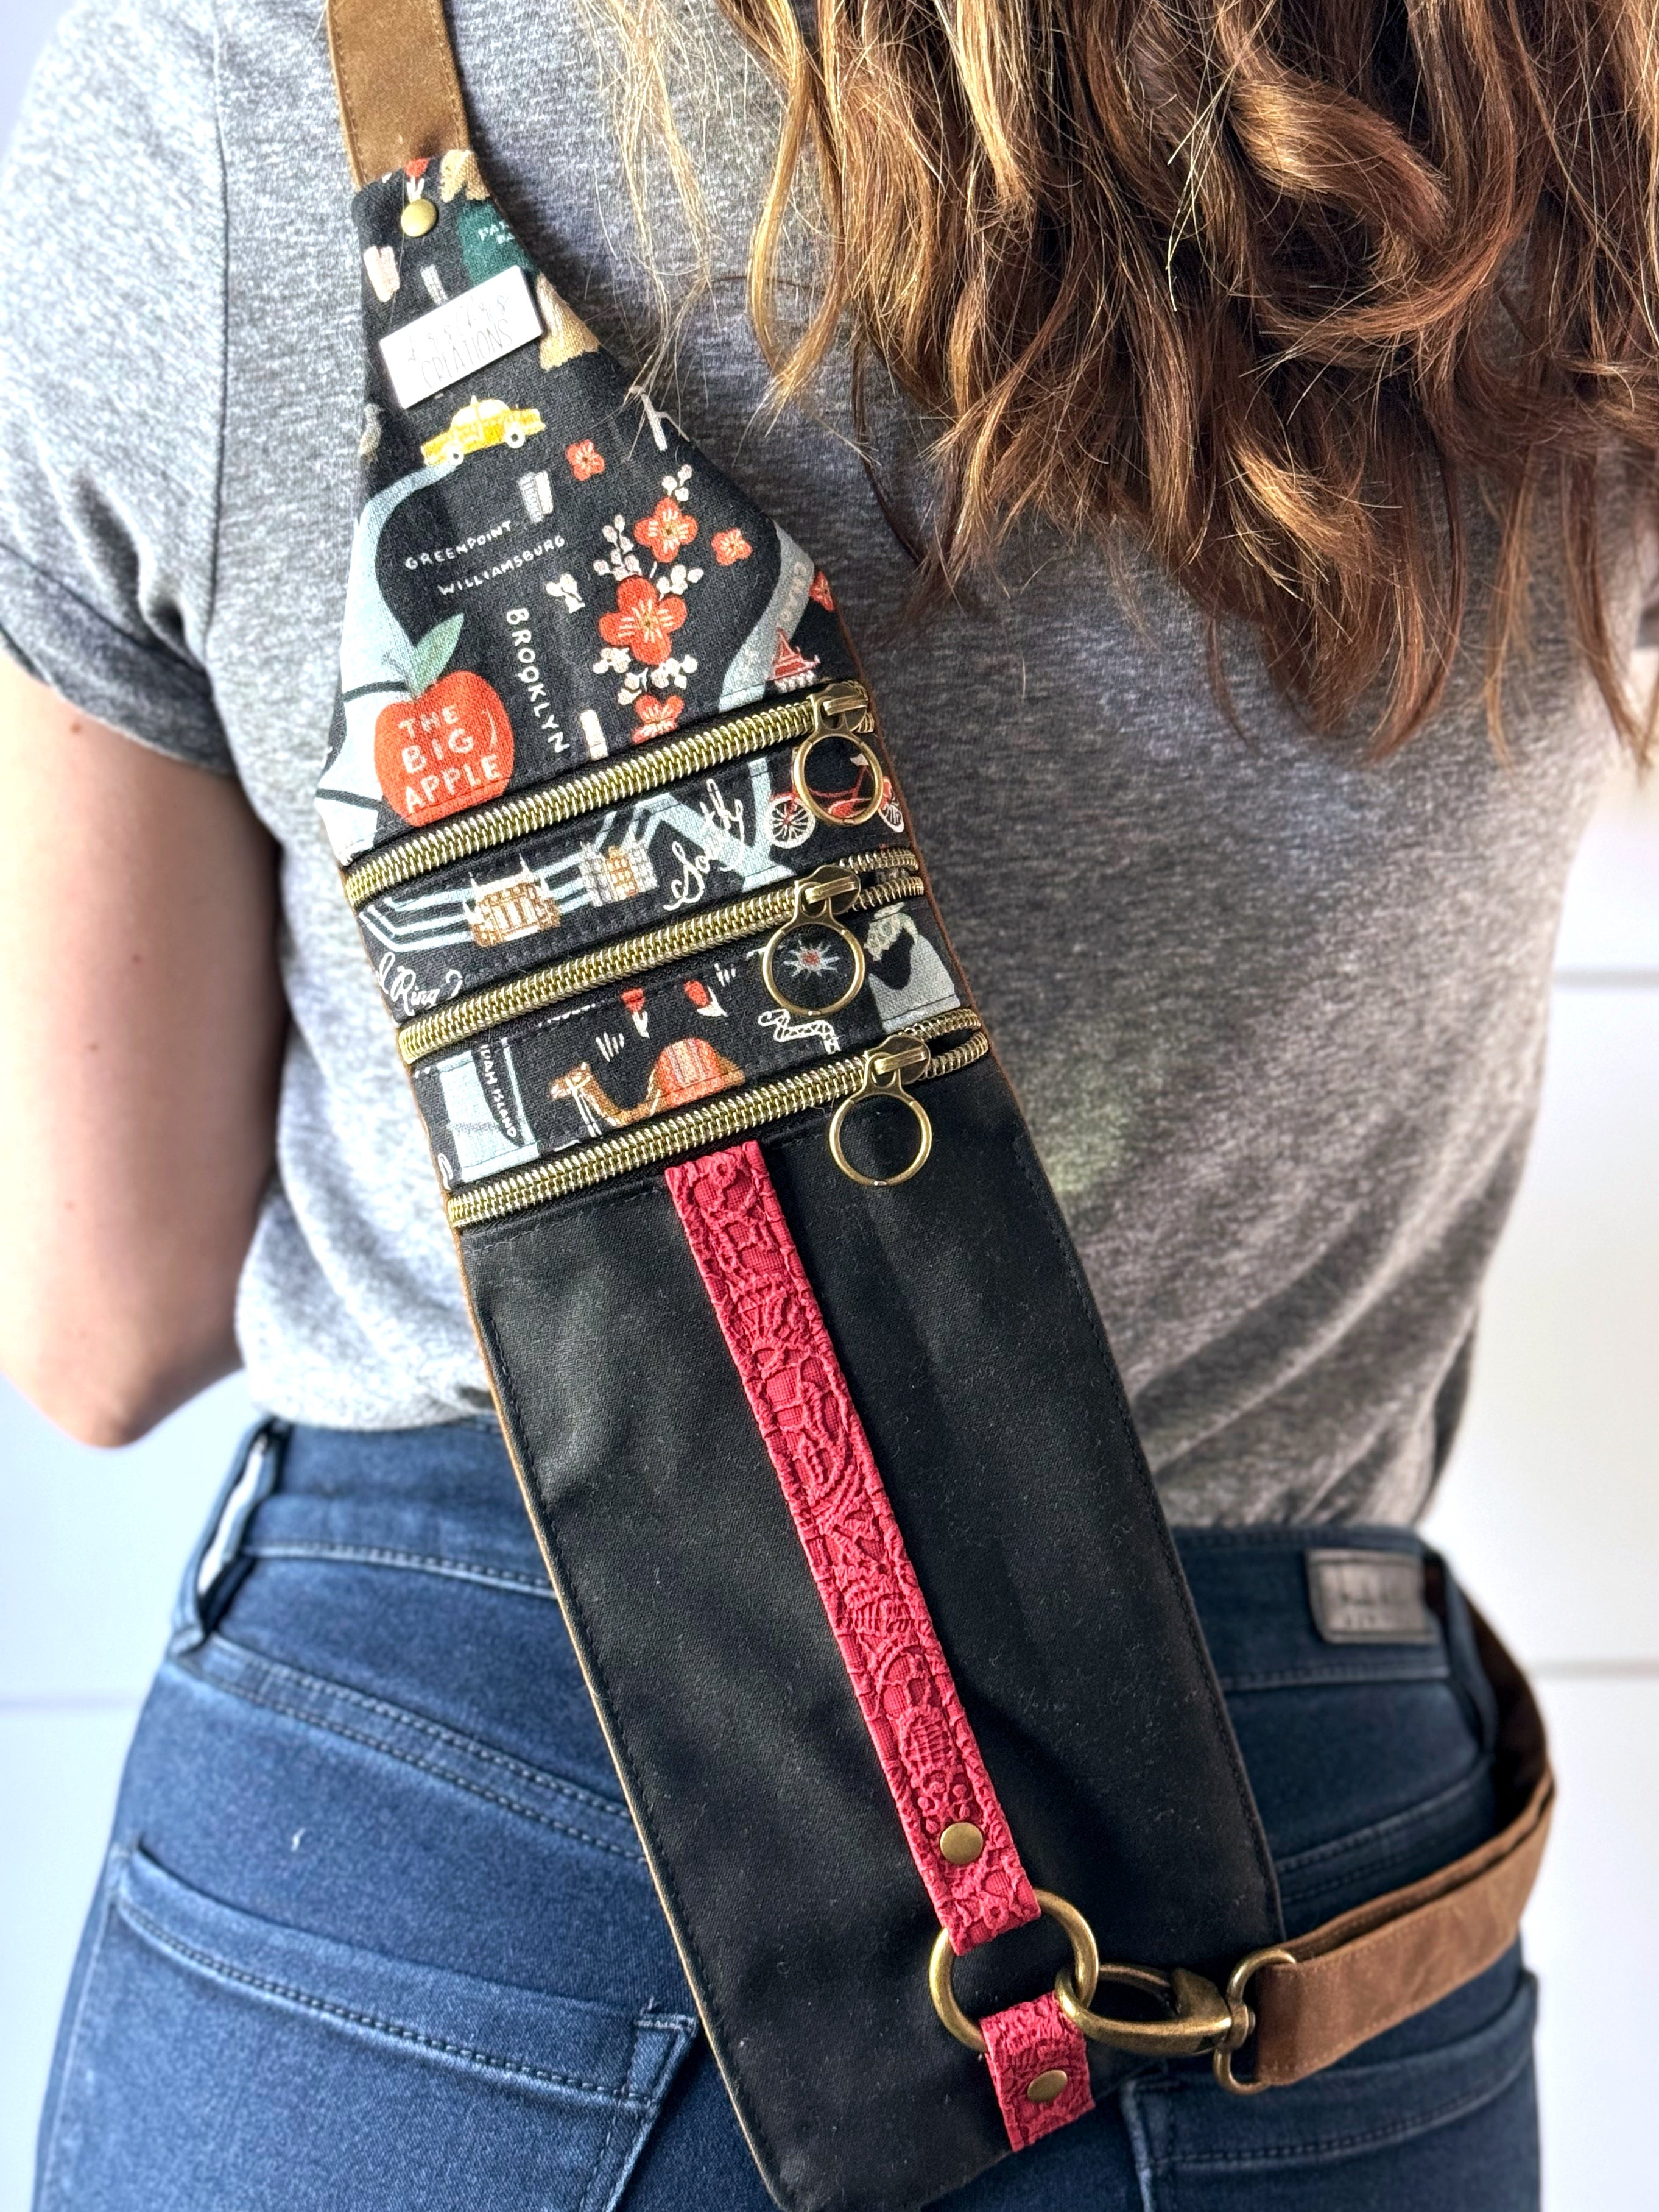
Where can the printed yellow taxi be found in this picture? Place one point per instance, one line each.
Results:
(482, 424)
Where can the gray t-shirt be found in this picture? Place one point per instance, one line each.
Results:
(1277, 1016)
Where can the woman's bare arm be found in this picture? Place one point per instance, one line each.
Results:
(140, 1030)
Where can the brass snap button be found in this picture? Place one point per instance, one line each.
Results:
(960, 1844)
(1047, 2086)
(418, 216)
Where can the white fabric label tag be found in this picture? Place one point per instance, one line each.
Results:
(462, 337)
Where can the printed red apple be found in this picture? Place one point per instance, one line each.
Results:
(450, 748)
(450, 744)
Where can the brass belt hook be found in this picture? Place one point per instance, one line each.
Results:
(1201, 2018)
(1199, 2015)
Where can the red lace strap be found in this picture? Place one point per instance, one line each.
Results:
(777, 1336)
(1039, 2067)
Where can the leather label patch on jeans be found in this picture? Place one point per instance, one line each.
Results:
(1369, 1597)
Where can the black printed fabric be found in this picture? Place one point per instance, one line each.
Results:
(676, 852)
(583, 1070)
(545, 571)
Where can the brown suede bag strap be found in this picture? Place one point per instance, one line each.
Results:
(396, 79)
(1370, 1968)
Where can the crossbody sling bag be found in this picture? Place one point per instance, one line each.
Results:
(809, 1403)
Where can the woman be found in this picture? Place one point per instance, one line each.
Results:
(1279, 392)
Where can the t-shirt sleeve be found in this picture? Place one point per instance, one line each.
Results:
(111, 371)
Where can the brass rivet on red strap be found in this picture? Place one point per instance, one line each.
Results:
(961, 1843)
(418, 216)
(1047, 2086)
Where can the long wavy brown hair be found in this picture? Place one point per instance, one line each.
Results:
(1276, 284)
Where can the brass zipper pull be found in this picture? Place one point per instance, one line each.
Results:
(819, 898)
(913, 1053)
(841, 711)
(893, 878)
(885, 1067)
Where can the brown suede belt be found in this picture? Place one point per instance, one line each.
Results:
(1318, 1996)
(1369, 1969)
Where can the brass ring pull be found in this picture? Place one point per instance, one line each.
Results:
(1085, 1968)
(819, 899)
(1198, 2015)
(1244, 2019)
(885, 1069)
(803, 792)
(768, 969)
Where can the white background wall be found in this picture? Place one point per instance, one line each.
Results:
(1551, 1509)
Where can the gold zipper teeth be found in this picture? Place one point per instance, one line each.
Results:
(735, 1115)
(651, 948)
(632, 777)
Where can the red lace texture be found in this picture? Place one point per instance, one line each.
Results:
(776, 1334)
(1022, 2045)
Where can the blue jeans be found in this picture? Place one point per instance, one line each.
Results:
(374, 1934)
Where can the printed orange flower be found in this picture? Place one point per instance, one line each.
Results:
(666, 529)
(731, 545)
(657, 714)
(585, 460)
(820, 590)
(643, 625)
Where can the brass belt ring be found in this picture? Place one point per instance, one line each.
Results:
(1199, 2015)
(1085, 1968)
(803, 792)
(809, 920)
(885, 1067)
(1244, 2022)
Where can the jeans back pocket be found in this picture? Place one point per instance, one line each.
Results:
(218, 2062)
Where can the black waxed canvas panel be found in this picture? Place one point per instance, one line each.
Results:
(985, 1381)
(1053, 1584)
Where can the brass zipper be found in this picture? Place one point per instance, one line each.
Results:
(895, 867)
(838, 709)
(734, 1115)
